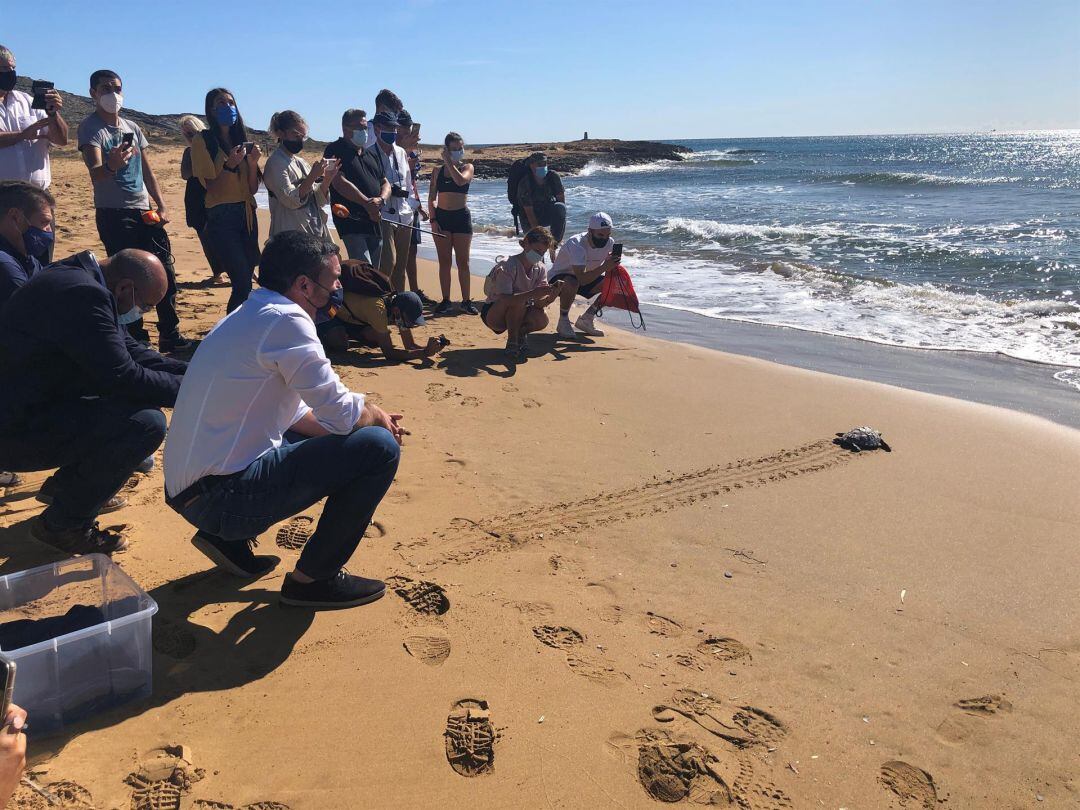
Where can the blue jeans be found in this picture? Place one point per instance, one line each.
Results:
(352, 472)
(235, 245)
(96, 443)
(363, 246)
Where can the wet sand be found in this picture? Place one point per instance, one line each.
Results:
(627, 570)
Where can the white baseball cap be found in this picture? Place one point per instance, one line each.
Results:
(599, 220)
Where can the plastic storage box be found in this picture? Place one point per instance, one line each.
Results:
(79, 632)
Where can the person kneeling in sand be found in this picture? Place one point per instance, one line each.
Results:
(80, 393)
(581, 264)
(517, 292)
(365, 316)
(264, 429)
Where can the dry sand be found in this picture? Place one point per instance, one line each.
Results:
(624, 567)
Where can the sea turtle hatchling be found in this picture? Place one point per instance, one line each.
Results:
(862, 438)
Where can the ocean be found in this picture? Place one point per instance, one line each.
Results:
(963, 243)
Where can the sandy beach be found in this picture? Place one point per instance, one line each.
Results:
(625, 571)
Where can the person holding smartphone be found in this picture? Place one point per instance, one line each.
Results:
(12, 752)
(227, 164)
(581, 264)
(298, 190)
(114, 151)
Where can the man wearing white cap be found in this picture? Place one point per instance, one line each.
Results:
(580, 265)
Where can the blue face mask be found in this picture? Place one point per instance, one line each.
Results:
(359, 137)
(388, 137)
(36, 241)
(226, 115)
(540, 172)
(532, 257)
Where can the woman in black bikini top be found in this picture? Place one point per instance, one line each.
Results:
(448, 197)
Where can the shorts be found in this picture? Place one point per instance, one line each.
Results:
(459, 221)
(588, 291)
(483, 316)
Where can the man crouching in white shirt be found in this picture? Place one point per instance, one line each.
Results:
(263, 428)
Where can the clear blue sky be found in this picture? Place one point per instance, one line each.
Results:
(515, 71)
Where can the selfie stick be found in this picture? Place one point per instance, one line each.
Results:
(403, 225)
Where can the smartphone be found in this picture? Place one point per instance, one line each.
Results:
(248, 145)
(38, 88)
(128, 139)
(7, 675)
(616, 251)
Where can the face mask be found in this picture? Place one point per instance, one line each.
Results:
(132, 315)
(359, 137)
(540, 172)
(331, 308)
(599, 241)
(7, 80)
(111, 103)
(457, 155)
(37, 241)
(388, 137)
(293, 146)
(226, 115)
(532, 257)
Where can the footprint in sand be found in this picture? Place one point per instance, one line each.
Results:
(172, 639)
(208, 804)
(295, 534)
(510, 388)
(161, 782)
(559, 638)
(432, 650)
(984, 706)
(571, 642)
(471, 402)
(64, 795)
(438, 392)
(742, 726)
(662, 626)
(470, 738)
(531, 403)
(712, 650)
(911, 787)
(423, 597)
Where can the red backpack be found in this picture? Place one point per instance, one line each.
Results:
(617, 292)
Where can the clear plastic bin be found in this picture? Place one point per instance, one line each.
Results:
(96, 652)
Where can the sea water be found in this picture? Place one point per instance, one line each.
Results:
(953, 242)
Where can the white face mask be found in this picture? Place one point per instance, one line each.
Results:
(132, 315)
(359, 137)
(112, 103)
(457, 155)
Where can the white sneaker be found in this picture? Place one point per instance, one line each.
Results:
(585, 324)
(564, 329)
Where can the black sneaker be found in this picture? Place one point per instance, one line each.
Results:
(427, 302)
(468, 308)
(87, 540)
(341, 591)
(174, 344)
(441, 307)
(235, 557)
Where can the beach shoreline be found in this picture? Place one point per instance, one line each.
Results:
(645, 570)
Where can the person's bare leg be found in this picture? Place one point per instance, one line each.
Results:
(462, 245)
(443, 248)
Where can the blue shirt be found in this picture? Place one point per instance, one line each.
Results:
(15, 269)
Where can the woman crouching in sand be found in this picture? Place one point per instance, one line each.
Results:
(517, 292)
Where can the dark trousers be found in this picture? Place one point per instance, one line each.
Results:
(123, 228)
(235, 245)
(96, 443)
(553, 216)
(208, 251)
(352, 472)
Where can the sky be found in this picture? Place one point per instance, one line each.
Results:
(518, 71)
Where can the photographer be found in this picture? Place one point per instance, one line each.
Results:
(396, 209)
(360, 186)
(227, 164)
(114, 150)
(581, 265)
(298, 191)
(368, 307)
(27, 133)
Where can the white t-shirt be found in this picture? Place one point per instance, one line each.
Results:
(398, 172)
(578, 251)
(27, 160)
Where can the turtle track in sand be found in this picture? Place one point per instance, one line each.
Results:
(466, 539)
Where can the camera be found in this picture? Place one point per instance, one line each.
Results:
(38, 88)
(398, 191)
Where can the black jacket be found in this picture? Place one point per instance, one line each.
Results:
(60, 340)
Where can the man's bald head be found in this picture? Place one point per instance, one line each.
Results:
(135, 278)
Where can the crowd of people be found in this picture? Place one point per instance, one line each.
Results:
(262, 426)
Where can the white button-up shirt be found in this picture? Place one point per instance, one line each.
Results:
(259, 371)
(27, 160)
(397, 170)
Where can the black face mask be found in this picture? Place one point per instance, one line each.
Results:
(599, 241)
(293, 146)
(7, 80)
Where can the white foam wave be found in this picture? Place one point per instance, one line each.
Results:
(916, 179)
(730, 232)
(597, 167)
